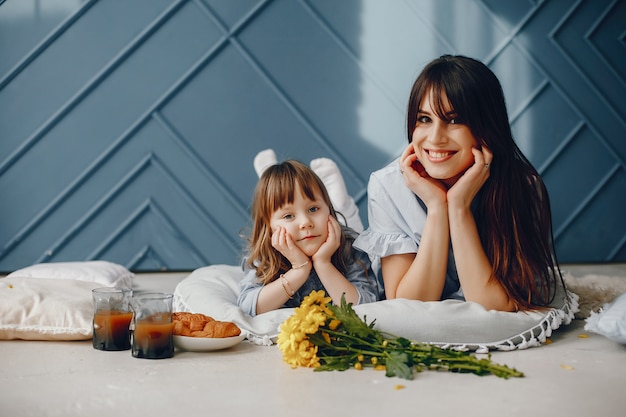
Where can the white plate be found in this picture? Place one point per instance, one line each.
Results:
(205, 344)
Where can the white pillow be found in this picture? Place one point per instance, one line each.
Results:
(610, 321)
(105, 273)
(461, 325)
(46, 309)
(467, 325)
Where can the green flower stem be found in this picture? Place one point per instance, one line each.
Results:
(355, 351)
(454, 361)
(428, 355)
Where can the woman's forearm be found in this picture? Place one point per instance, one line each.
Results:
(423, 277)
(473, 266)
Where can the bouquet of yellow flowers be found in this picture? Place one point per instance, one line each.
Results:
(329, 337)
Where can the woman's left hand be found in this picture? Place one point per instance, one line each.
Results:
(462, 193)
(330, 246)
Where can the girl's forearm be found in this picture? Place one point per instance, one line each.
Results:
(275, 294)
(335, 283)
(271, 297)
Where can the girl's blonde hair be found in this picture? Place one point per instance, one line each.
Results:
(276, 188)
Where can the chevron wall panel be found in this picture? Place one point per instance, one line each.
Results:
(128, 127)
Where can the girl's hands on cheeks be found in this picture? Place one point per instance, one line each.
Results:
(429, 190)
(284, 243)
(462, 193)
(330, 246)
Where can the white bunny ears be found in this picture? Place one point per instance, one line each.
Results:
(330, 175)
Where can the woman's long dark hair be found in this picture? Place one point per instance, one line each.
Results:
(512, 210)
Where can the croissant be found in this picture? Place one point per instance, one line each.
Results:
(221, 329)
(200, 325)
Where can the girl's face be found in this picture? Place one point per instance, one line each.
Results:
(306, 221)
(443, 147)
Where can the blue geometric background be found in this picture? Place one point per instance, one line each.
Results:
(129, 127)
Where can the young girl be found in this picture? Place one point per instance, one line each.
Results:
(298, 246)
(462, 213)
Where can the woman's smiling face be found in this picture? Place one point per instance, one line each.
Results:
(443, 147)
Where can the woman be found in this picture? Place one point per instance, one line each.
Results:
(462, 213)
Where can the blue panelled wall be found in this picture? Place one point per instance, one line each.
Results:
(128, 127)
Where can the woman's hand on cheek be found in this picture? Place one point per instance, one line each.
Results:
(333, 240)
(429, 190)
(469, 184)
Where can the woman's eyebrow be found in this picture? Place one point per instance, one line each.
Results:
(448, 114)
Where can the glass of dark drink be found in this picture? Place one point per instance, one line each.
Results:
(111, 318)
(152, 326)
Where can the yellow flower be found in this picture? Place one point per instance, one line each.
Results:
(334, 324)
(293, 338)
(296, 348)
(304, 354)
(312, 320)
(307, 355)
(290, 334)
(317, 300)
(316, 297)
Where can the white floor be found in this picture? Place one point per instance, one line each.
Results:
(578, 374)
(572, 376)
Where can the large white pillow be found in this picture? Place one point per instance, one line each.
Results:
(53, 301)
(46, 309)
(105, 273)
(461, 325)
